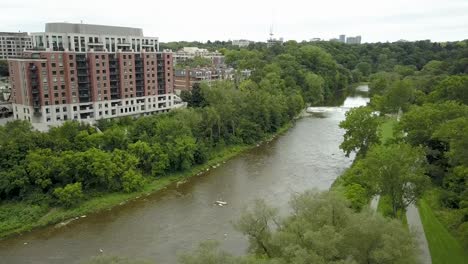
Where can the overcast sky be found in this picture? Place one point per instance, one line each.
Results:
(172, 20)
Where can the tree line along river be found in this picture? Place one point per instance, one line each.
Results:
(161, 226)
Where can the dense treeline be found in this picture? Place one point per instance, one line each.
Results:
(69, 161)
(430, 140)
(319, 69)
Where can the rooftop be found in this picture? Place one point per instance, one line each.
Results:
(63, 27)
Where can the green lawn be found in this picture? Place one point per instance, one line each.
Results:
(443, 246)
(386, 129)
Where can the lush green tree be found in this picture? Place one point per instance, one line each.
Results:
(381, 81)
(364, 68)
(143, 152)
(452, 88)
(321, 229)
(197, 99)
(405, 70)
(208, 253)
(420, 122)
(398, 96)
(115, 260)
(186, 96)
(454, 132)
(434, 67)
(132, 181)
(248, 85)
(398, 171)
(356, 195)
(69, 195)
(361, 130)
(181, 152)
(313, 88)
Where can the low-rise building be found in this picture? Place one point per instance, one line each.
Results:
(242, 43)
(184, 79)
(13, 44)
(188, 53)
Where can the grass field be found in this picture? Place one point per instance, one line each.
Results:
(386, 129)
(443, 246)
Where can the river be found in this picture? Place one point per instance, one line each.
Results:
(176, 220)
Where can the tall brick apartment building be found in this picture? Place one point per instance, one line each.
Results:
(103, 76)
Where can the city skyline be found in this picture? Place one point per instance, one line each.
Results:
(299, 20)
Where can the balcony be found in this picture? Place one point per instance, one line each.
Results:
(82, 73)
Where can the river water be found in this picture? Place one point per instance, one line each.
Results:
(161, 226)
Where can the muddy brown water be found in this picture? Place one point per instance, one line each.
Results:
(161, 226)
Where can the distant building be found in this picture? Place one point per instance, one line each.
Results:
(184, 79)
(191, 52)
(342, 38)
(13, 44)
(274, 41)
(315, 39)
(334, 40)
(353, 40)
(242, 43)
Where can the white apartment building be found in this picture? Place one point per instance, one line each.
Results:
(86, 37)
(13, 44)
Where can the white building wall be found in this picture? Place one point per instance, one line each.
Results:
(55, 115)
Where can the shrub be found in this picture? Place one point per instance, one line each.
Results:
(70, 195)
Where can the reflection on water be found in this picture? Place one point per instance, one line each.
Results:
(160, 226)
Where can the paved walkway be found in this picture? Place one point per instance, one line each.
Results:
(374, 203)
(415, 225)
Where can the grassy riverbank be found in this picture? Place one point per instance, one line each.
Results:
(443, 246)
(19, 217)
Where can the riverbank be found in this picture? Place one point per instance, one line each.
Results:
(20, 217)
